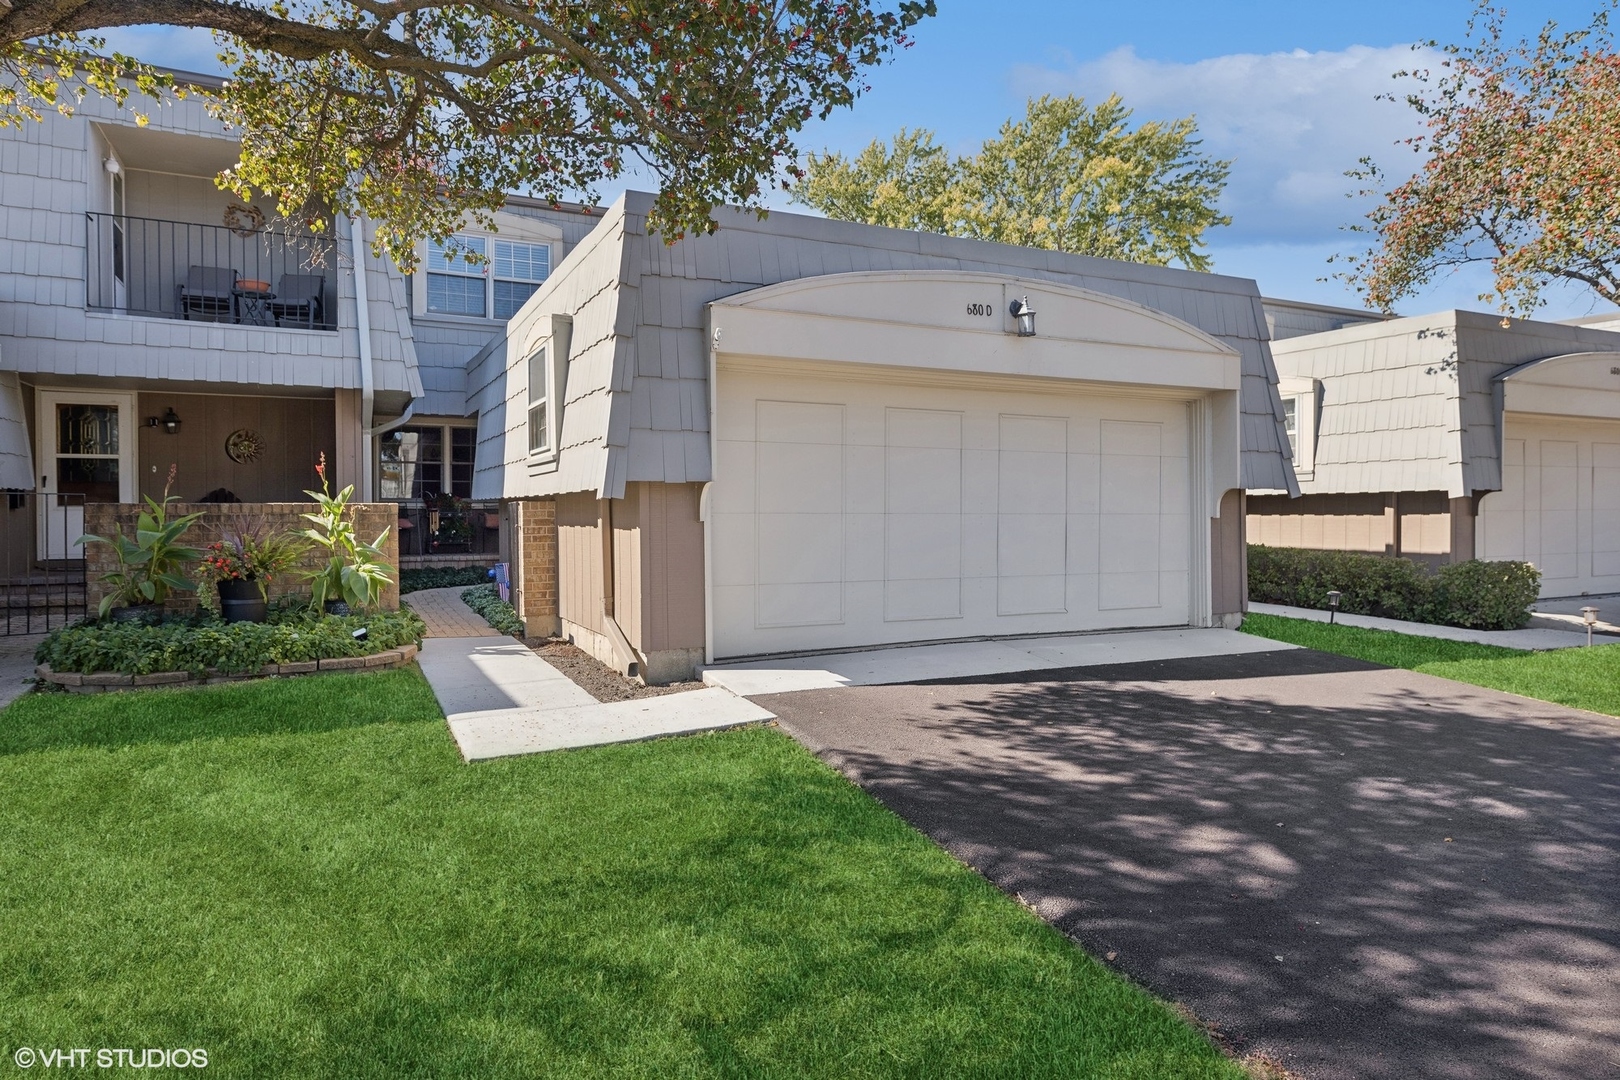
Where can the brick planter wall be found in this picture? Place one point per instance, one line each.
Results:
(98, 682)
(104, 519)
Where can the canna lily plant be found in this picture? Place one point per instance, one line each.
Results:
(151, 566)
(356, 572)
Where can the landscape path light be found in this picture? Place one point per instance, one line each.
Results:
(1333, 604)
(1590, 615)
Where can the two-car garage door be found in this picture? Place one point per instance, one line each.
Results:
(848, 513)
(1559, 506)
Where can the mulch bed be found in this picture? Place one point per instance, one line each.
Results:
(595, 677)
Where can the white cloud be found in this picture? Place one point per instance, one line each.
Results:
(1292, 123)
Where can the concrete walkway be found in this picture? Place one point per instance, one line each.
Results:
(918, 663)
(502, 700)
(17, 666)
(1531, 638)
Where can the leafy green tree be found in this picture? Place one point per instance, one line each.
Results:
(417, 112)
(1067, 177)
(1521, 170)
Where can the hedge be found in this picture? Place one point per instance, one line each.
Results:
(1476, 594)
(486, 600)
(441, 577)
(195, 645)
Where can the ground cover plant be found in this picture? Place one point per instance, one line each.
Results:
(486, 600)
(441, 577)
(1583, 678)
(293, 635)
(302, 878)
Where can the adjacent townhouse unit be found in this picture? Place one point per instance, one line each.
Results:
(1452, 436)
(799, 434)
(149, 319)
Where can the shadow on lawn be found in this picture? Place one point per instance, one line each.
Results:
(304, 705)
(1375, 873)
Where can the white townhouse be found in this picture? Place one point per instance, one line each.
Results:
(1452, 436)
(799, 434)
(149, 319)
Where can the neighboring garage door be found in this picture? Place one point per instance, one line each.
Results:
(849, 513)
(1559, 506)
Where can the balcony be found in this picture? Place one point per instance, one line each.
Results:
(245, 276)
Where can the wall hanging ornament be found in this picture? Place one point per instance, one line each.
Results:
(244, 445)
(244, 221)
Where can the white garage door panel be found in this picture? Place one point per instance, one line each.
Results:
(847, 514)
(1559, 507)
(1606, 509)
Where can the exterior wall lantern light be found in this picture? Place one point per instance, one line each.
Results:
(170, 422)
(1590, 614)
(1020, 310)
(1334, 595)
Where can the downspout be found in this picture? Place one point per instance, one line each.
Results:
(362, 323)
(629, 661)
(399, 421)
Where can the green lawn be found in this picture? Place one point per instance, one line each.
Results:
(302, 878)
(1584, 678)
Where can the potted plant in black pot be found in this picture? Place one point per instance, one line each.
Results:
(151, 567)
(355, 573)
(449, 522)
(243, 563)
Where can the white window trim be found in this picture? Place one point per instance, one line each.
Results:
(509, 227)
(1306, 396)
(555, 333)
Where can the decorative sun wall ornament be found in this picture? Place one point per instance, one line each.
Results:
(244, 445)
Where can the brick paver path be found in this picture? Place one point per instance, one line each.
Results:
(445, 614)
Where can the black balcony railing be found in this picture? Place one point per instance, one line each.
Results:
(210, 273)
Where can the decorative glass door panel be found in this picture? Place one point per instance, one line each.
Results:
(89, 460)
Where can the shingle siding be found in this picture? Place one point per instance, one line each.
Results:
(1412, 404)
(640, 358)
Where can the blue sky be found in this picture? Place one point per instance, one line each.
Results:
(1285, 89)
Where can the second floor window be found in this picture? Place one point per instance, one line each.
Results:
(504, 275)
(519, 270)
(1291, 424)
(454, 285)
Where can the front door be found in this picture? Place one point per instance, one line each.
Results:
(86, 455)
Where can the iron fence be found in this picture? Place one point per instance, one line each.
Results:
(210, 273)
(464, 529)
(42, 571)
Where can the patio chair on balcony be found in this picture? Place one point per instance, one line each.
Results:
(298, 300)
(207, 294)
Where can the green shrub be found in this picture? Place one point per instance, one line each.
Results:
(441, 577)
(486, 600)
(195, 645)
(1485, 595)
(1481, 595)
(1370, 584)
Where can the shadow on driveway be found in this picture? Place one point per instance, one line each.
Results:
(1362, 871)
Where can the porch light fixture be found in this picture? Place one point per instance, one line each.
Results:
(170, 423)
(1334, 596)
(1590, 614)
(1020, 310)
(112, 165)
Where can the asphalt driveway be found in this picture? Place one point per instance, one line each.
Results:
(1362, 872)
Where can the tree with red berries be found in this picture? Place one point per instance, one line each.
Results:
(1521, 170)
(419, 112)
